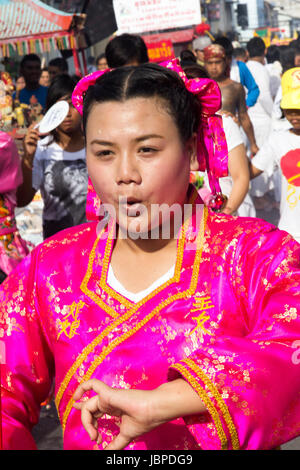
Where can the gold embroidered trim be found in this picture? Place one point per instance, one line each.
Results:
(93, 296)
(106, 258)
(222, 405)
(84, 285)
(126, 302)
(206, 400)
(116, 342)
(123, 300)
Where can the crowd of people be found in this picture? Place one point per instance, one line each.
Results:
(256, 83)
(142, 323)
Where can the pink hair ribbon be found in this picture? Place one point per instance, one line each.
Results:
(82, 87)
(212, 149)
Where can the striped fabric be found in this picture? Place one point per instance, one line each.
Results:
(31, 17)
(30, 26)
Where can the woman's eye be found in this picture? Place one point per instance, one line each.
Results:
(103, 153)
(147, 150)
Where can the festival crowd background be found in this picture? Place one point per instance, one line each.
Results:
(43, 180)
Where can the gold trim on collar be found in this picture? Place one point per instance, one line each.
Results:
(106, 259)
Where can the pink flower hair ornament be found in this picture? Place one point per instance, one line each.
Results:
(212, 152)
(82, 87)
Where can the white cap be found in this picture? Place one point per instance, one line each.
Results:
(201, 43)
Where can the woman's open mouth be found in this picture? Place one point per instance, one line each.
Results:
(132, 206)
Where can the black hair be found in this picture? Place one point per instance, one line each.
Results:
(187, 57)
(195, 71)
(29, 58)
(101, 56)
(75, 78)
(287, 58)
(297, 49)
(239, 52)
(147, 81)
(59, 62)
(226, 43)
(295, 43)
(62, 85)
(126, 48)
(256, 47)
(272, 54)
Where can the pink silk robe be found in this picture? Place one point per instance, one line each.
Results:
(12, 247)
(227, 322)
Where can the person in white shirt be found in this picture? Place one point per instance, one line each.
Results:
(235, 186)
(56, 165)
(274, 68)
(261, 113)
(282, 150)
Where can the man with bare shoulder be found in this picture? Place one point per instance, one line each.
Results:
(233, 94)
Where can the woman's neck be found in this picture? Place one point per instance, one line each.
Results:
(70, 142)
(295, 131)
(156, 240)
(145, 246)
(137, 264)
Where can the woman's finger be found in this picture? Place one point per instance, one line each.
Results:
(88, 419)
(92, 384)
(118, 443)
(29, 138)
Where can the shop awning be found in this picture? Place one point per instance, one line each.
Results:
(30, 26)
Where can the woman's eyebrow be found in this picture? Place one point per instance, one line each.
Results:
(149, 136)
(138, 139)
(101, 142)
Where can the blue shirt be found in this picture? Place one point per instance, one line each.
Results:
(248, 81)
(40, 93)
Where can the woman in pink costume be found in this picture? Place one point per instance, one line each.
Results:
(12, 248)
(179, 340)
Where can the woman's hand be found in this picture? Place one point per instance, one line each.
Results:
(228, 210)
(139, 411)
(225, 113)
(132, 406)
(254, 149)
(30, 144)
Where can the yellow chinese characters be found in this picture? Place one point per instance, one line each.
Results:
(71, 322)
(202, 304)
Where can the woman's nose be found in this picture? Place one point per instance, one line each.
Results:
(128, 171)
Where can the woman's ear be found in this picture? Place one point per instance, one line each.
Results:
(192, 152)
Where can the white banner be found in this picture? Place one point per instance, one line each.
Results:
(140, 16)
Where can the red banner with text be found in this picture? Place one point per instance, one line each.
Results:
(159, 51)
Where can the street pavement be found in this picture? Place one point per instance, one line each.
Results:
(47, 433)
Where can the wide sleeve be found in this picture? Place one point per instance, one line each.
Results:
(10, 164)
(248, 81)
(251, 384)
(27, 367)
(265, 97)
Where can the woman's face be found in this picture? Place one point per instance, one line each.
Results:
(45, 78)
(72, 122)
(20, 83)
(102, 64)
(136, 160)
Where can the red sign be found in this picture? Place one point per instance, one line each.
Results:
(159, 51)
(183, 35)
